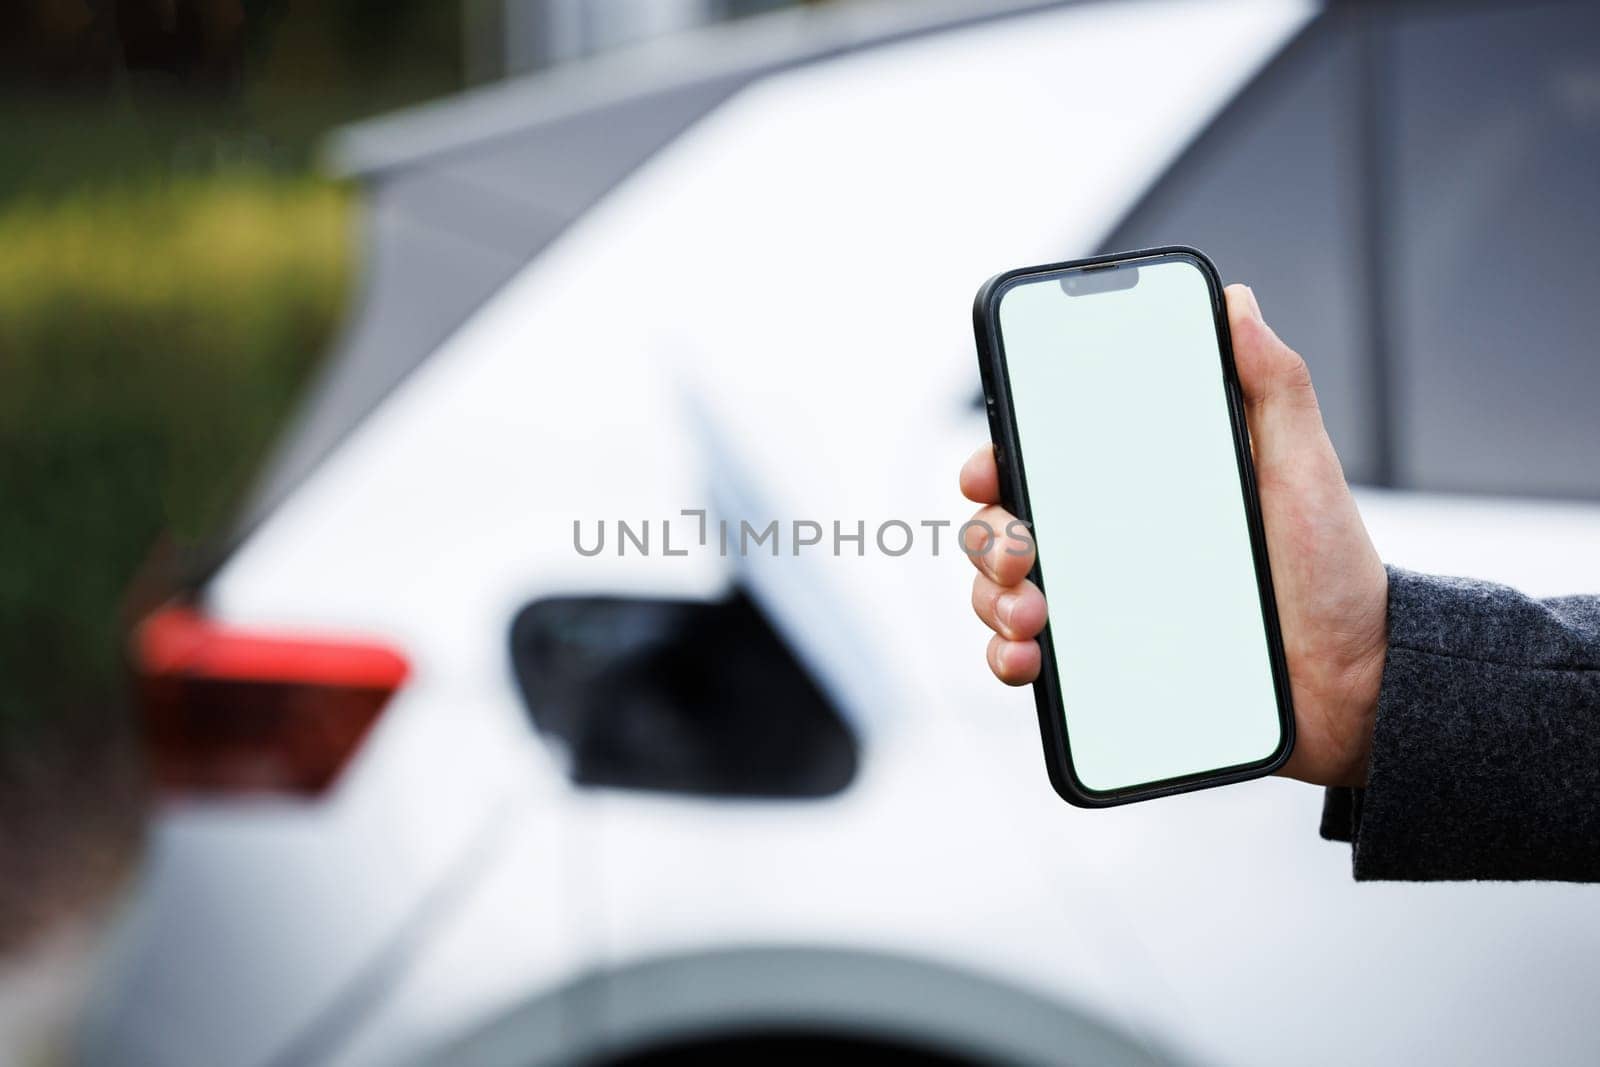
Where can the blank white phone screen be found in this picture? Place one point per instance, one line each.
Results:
(1140, 522)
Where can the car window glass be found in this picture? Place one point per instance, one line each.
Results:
(1495, 153)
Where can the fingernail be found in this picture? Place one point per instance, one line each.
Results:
(1255, 305)
(1004, 606)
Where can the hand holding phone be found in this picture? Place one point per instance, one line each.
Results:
(1331, 587)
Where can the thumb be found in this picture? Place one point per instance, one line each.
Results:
(1280, 403)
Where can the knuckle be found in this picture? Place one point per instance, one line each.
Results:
(1293, 369)
(1294, 377)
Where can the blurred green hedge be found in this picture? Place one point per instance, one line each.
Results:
(152, 337)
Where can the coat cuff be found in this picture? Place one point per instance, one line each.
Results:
(1485, 742)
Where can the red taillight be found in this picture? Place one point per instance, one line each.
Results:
(232, 710)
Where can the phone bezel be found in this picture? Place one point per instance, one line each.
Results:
(1014, 497)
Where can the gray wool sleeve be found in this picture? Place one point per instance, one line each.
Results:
(1486, 749)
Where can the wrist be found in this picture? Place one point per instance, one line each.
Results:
(1367, 687)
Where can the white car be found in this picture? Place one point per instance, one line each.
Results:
(449, 788)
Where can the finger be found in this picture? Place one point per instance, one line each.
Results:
(1280, 404)
(999, 544)
(1017, 613)
(1270, 372)
(980, 477)
(1013, 662)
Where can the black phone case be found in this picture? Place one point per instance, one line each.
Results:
(1014, 497)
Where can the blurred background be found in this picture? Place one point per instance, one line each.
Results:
(211, 271)
(175, 263)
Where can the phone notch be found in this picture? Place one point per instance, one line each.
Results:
(1109, 278)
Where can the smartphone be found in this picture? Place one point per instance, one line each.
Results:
(1119, 430)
